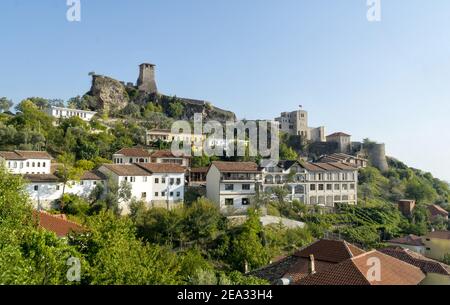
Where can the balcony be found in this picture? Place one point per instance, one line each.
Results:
(240, 177)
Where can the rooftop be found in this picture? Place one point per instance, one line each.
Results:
(339, 134)
(127, 170)
(425, 264)
(237, 167)
(436, 210)
(24, 155)
(57, 224)
(357, 271)
(162, 168)
(37, 178)
(411, 240)
(133, 152)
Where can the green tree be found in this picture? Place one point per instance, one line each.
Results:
(5, 104)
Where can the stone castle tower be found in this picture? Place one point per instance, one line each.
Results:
(377, 156)
(146, 81)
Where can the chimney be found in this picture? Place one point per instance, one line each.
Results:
(312, 265)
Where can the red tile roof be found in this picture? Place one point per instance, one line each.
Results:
(24, 155)
(162, 168)
(436, 210)
(411, 240)
(127, 170)
(41, 178)
(57, 224)
(238, 167)
(165, 154)
(333, 251)
(357, 271)
(134, 152)
(93, 175)
(425, 264)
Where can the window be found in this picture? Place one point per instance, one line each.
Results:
(329, 187)
(156, 194)
(144, 195)
(163, 194)
(125, 178)
(337, 187)
(229, 187)
(81, 182)
(144, 179)
(178, 194)
(163, 180)
(178, 181)
(39, 164)
(172, 181)
(57, 187)
(312, 187)
(171, 194)
(321, 187)
(344, 187)
(245, 201)
(246, 187)
(36, 187)
(352, 186)
(131, 160)
(132, 179)
(229, 201)
(28, 164)
(156, 180)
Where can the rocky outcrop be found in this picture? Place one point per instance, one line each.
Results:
(112, 96)
(110, 93)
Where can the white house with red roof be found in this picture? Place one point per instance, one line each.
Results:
(159, 185)
(131, 155)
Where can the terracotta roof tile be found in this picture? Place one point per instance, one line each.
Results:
(356, 271)
(57, 224)
(436, 210)
(425, 264)
(41, 178)
(165, 154)
(162, 168)
(236, 166)
(127, 170)
(134, 152)
(334, 251)
(93, 175)
(23, 155)
(411, 240)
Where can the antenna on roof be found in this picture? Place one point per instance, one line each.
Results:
(300, 106)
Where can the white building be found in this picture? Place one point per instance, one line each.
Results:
(324, 184)
(157, 184)
(26, 162)
(45, 189)
(167, 157)
(232, 185)
(65, 113)
(131, 155)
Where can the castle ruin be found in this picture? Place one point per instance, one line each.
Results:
(146, 81)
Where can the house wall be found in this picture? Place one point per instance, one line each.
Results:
(121, 159)
(26, 166)
(436, 248)
(65, 113)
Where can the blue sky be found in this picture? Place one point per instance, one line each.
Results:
(388, 81)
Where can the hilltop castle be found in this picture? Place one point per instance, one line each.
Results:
(146, 81)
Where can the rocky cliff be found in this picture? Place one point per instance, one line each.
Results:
(112, 96)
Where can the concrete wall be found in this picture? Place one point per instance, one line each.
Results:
(29, 166)
(436, 248)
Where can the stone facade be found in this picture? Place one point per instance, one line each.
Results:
(296, 123)
(146, 81)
